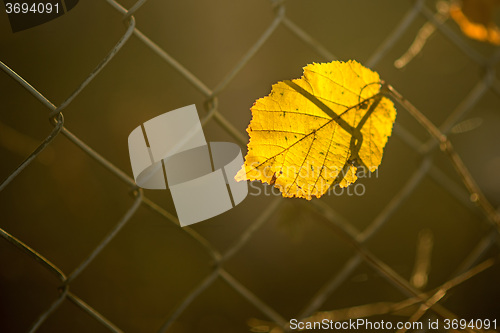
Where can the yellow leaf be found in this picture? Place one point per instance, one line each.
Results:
(312, 132)
(475, 19)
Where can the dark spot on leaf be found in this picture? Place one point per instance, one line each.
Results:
(363, 106)
(273, 179)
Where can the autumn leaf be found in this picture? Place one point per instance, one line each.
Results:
(314, 132)
(475, 19)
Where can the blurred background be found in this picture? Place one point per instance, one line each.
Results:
(293, 262)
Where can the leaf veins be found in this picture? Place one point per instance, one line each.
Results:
(314, 132)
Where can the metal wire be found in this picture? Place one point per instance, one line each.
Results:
(341, 225)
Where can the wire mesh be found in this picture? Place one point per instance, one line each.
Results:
(418, 302)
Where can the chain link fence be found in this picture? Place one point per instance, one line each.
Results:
(375, 263)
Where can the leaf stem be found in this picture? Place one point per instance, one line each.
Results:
(476, 195)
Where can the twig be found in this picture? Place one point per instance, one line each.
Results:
(422, 266)
(476, 195)
(425, 32)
